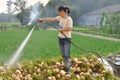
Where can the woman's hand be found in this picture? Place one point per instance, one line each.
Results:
(64, 29)
(40, 20)
(47, 19)
(60, 30)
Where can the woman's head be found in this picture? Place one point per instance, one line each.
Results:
(63, 11)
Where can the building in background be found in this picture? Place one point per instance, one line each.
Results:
(92, 19)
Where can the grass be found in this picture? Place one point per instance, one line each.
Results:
(44, 44)
(9, 42)
(10, 24)
(95, 31)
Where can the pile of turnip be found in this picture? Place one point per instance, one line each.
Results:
(83, 68)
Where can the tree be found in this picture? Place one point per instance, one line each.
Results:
(102, 21)
(20, 5)
(111, 24)
(23, 16)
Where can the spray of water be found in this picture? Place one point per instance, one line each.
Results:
(34, 13)
(33, 17)
(19, 50)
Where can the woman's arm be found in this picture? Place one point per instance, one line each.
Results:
(66, 29)
(48, 19)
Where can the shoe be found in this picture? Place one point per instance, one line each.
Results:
(67, 71)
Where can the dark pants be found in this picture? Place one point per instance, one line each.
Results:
(65, 45)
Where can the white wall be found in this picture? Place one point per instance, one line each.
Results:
(90, 20)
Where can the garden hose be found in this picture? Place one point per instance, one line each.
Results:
(84, 50)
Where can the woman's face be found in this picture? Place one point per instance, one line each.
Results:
(62, 13)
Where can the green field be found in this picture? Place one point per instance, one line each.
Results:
(95, 31)
(44, 44)
(9, 42)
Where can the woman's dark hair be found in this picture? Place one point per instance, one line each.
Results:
(65, 9)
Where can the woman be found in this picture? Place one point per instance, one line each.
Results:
(65, 26)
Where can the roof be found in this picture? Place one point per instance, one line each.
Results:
(108, 9)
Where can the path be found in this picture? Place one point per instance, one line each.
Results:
(96, 36)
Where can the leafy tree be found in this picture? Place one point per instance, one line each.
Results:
(111, 24)
(20, 5)
(23, 16)
(102, 21)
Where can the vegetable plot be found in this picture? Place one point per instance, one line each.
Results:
(83, 68)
